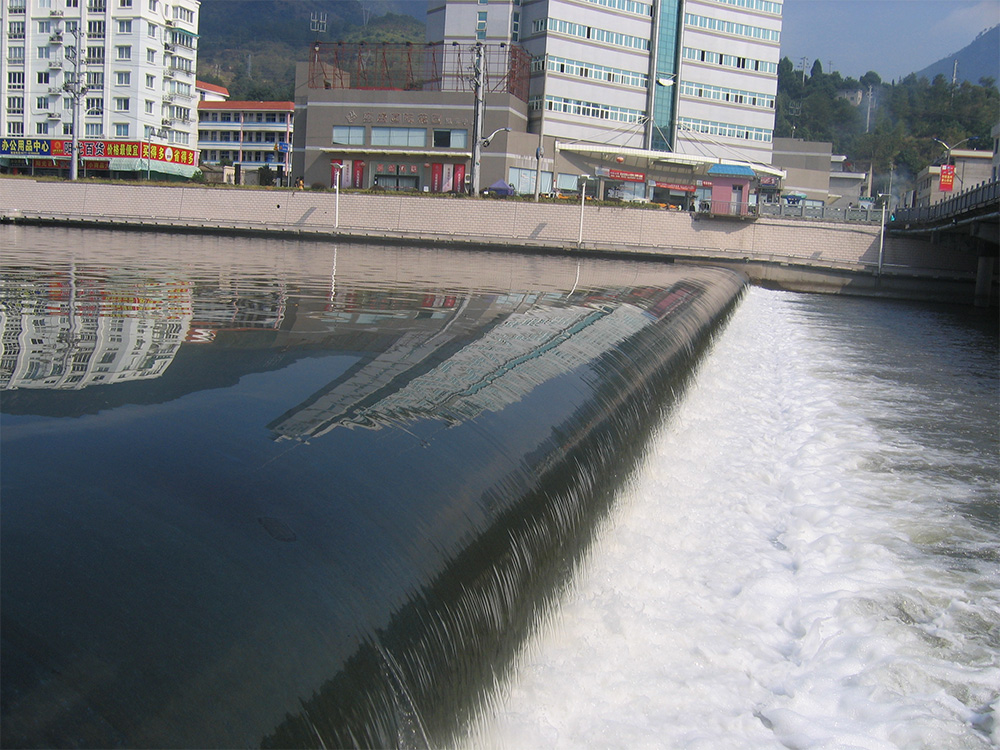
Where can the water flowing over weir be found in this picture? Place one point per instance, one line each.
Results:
(289, 494)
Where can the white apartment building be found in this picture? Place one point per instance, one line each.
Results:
(251, 134)
(691, 77)
(121, 71)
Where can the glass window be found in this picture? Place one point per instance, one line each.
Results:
(121, 130)
(414, 137)
(349, 135)
(450, 138)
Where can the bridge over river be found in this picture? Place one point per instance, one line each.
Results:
(968, 223)
(842, 253)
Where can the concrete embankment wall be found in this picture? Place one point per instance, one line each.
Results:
(797, 254)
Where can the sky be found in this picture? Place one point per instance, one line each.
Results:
(892, 37)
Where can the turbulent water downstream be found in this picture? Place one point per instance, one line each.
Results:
(809, 557)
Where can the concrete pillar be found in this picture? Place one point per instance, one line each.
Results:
(984, 280)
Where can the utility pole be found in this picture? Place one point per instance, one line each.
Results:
(477, 116)
(76, 90)
(868, 117)
(539, 150)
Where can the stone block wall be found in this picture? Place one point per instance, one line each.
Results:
(376, 217)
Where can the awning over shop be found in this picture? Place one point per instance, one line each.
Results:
(731, 170)
(667, 158)
(142, 165)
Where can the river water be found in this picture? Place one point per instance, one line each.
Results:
(808, 558)
(289, 494)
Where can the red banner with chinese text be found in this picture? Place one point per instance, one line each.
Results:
(947, 183)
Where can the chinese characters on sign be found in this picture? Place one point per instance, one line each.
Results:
(45, 148)
(383, 168)
(26, 147)
(404, 118)
(947, 178)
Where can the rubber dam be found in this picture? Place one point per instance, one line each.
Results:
(290, 494)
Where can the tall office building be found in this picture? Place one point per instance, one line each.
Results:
(692, 77)
(121, 71)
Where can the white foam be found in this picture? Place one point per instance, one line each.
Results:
(764, 581)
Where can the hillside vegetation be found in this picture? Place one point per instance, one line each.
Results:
(251, 46)
(895, 123)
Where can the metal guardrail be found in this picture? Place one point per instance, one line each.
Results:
(822, 213)
(727, 208)
(984, 195)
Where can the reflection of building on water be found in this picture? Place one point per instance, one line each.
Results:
(233, 309)
(66, 333)
(486, 357)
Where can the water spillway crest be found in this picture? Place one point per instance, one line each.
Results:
(284, 494)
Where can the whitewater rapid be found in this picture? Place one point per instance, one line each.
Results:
(804, 560)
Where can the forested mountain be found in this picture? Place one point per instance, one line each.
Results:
(975, 62)
(251, 46)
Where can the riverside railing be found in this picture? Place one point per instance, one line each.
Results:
(821, 213)
(982, 196)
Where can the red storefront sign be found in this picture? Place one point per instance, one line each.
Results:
(459, 178)
(358, 177)
(675, 186)
(617, 174)
(437, 175)
(947, 183)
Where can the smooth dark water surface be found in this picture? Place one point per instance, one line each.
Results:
(287, 494)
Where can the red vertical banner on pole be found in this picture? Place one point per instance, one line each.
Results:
(437, 170)
(459, 178)
(358, 180)
(336, 166)
(947, 178)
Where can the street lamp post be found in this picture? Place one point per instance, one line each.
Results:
(949, 149)
(583, 199)
(336, 193)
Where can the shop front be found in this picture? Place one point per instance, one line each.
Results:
(676, 195)
(621, 184)
(730, 194)
(112, 159)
